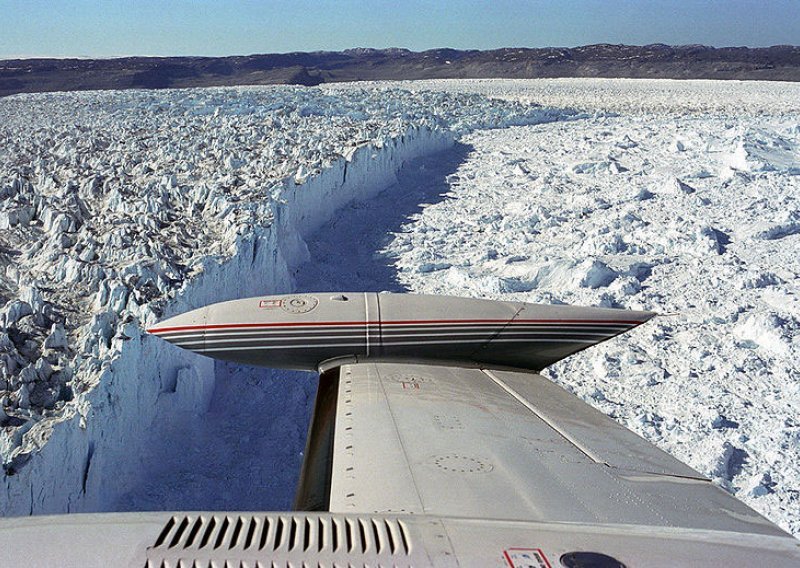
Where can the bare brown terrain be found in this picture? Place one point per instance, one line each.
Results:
(777, 63)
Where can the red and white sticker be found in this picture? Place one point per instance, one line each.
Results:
(270, 304)
(526, 558)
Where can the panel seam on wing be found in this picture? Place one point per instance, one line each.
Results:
(583, 449)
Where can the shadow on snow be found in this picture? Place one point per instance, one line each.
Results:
(346, 252)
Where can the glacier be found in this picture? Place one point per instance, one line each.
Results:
(124, 208)
(674, 196)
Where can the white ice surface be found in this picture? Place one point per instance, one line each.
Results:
(680, 197)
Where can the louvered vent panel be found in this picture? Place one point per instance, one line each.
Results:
(211, 541)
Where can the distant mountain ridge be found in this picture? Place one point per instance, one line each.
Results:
(776, 63)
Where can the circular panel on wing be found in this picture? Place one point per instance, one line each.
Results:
(457, 463)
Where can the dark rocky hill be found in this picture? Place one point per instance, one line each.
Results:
(777, 63)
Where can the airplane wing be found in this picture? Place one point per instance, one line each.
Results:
(483, 443)
(435, 442)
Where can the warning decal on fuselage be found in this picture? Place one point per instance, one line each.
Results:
(526, 558)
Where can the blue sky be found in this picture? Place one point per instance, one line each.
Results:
(104, 28)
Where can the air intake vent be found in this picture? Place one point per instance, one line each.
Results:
(197, 540)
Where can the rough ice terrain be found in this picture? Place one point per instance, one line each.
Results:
(118, 209)
(674, 196)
